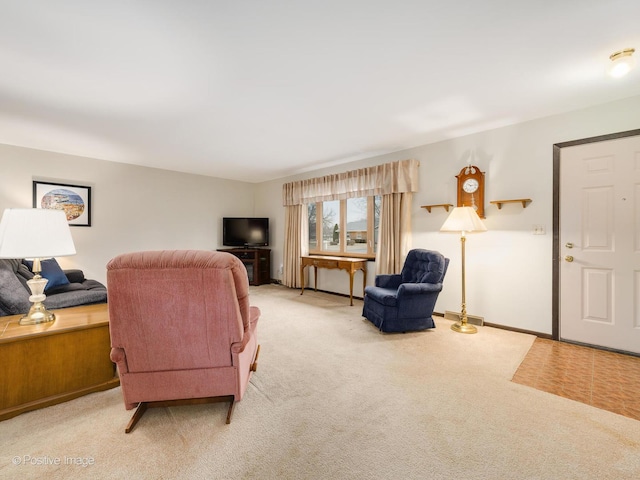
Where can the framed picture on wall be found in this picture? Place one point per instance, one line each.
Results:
(75, 200)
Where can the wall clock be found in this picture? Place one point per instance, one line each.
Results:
(471, 189)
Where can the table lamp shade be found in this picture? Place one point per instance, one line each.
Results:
(35, 233)
(463, 219)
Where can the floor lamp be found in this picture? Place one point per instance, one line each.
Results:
(463, 220)
(35, 233)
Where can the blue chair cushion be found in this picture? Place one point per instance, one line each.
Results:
(423, 266)
(385, 296)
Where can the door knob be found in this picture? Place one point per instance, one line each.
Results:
(569, 258)
(568, 245)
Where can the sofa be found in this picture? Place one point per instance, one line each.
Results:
(65, 288)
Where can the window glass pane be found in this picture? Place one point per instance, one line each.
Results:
(313, 241)
(344, 227)
(331, 226)
(356, 225)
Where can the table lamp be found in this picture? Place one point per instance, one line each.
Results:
(35, 233)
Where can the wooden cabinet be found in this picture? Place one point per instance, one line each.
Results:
(54, 362)
(256, 260)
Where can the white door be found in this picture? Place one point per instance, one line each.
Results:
(600, 244)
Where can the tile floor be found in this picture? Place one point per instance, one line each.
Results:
(603, 379)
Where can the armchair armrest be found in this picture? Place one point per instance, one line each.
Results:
(120, 359)
(407, 289)
(388, 281)
(254, 315)
(238, 347)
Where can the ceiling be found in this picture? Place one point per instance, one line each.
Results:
(255, 90)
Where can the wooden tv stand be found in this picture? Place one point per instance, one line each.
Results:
(51, 363)
(256, 260)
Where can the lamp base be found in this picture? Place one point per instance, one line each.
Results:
(464, 328)
(37, 314)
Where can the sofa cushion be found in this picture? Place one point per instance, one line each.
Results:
(14, 298)
(24, 274)
(75, 276)
(69, 287)
(51, 271)
(74, 298)
(11, 264)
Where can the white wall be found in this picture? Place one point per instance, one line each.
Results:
(133, 208)
(509, 270)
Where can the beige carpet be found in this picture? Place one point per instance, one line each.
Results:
(335, 399)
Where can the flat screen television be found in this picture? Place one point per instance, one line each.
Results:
(245, 232)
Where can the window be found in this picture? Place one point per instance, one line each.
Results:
(345, 227)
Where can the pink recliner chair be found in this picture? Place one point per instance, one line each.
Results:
(182, 329)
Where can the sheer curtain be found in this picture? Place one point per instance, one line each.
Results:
(296, 244)
(394, 181)
(394, 240)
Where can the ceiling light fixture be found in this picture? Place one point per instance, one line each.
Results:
(622, 62)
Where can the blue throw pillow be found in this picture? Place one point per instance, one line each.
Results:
(52, 272)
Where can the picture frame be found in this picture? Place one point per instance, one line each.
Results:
(75, 200)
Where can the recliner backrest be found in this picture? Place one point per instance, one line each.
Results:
(173, 310)
(423, 266)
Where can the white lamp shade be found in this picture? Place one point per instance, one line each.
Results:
(35, 233)
(463, 219)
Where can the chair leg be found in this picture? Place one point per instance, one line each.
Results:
(233, 404)
(137, 415)
(143, 406)
(254, 365)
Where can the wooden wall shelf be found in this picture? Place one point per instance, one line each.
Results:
(523, 201)
(443, 205)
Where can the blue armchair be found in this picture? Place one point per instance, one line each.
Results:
(404, 302)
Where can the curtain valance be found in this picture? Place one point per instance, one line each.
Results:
(395, 177)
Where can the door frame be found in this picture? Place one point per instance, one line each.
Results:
(557, 149)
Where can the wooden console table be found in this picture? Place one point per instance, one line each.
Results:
(351, 265)
(54, 362)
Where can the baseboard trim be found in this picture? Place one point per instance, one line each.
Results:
(307, 289)
(547, 336)
(471, 319)
(346, 295)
